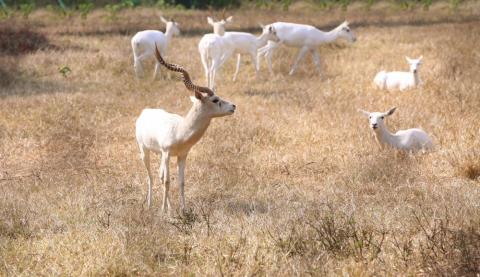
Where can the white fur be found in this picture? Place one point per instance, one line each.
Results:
(143, 45)
(400, 80)
(215, 50)
(174, 135)
(305, 37)
(219, 26)
(408, 140)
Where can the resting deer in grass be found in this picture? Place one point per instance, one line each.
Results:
(400, 80)
(173, 135)
(305, 37)
(408, 140)
(215, 50)
(143, 45)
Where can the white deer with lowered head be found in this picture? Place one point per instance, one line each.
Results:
(398, 79)
(215, 50)
(143, 45)
(408, 140)
(305, 37)
(219, 26)
(173, 135)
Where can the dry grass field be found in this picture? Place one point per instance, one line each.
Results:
(292, 184)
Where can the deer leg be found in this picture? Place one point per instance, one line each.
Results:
(205, 67)
(300, 56)
(145, 156)
(238, 67)
(157, 70)
(316, 59)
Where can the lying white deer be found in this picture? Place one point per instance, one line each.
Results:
(174, 135)
(219, 26)
(408, 140)
(215, 50)
(143, 45)
(305, 37)
(400, 80)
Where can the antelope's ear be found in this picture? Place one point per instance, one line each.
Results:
(163, 19)
(420, 58)
(409, 60)
(229, 19)
(391, 111)
(210, 20)
(261, 25)
(365, 113)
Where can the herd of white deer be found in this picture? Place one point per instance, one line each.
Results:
(172, 135)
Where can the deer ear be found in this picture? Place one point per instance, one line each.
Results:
(163, 19)
(408, 59)
(229, 19)
(210, 20)
(365, 113)
(391, 111)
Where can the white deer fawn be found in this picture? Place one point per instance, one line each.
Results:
(408, 140)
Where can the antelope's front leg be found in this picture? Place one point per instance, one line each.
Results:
(181, 180)
(165, 173)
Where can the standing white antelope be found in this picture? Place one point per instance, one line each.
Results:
(174, 135)
(143, 45)
(398, 79)
(305, 37)
(215, 50)
(219, 26)
(408, 140)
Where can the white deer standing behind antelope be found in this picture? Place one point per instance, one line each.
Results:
(398, 79)
(215, 50)
(143, 45)
(174, 135)
(219, 26)
(305, 37)
(408, 140)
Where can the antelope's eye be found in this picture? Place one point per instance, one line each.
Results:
(382, 117)
(370, 117)
(215, 101)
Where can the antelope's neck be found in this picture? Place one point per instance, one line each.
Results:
(193, 126)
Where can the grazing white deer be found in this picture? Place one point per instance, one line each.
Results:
(409, 140)
(143, 45)
(400, 80)
(219, 26)
(305, 37)
(215, 50)
(174, 135)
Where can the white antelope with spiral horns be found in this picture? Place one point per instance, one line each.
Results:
(173, 135)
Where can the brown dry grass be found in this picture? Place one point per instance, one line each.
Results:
(292, 184)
